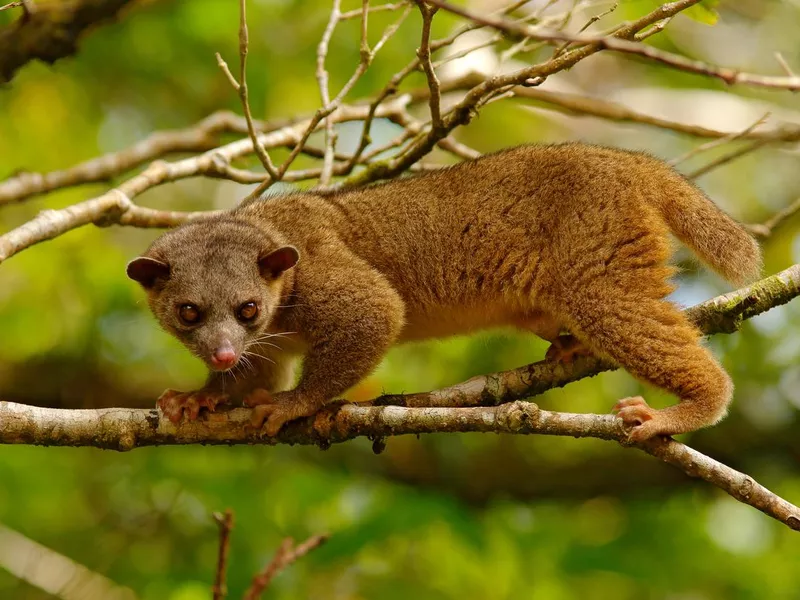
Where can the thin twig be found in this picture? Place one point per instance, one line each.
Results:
(227, 72)
(723, 160)
(464, 111)
(604, 109)
(225, 523)
(768, 227)
(365, 139)
(322, 81)
(241, 88)
(116, 206)
(718, 142)
(617, 44)
(332, 106)
(424, 54)
(359, 12)
(565, 45)
(286, 554)
(11, 5)
(784, 65)
(458, 149)
(261, 152)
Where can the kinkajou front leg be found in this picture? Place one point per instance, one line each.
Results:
(261, 366)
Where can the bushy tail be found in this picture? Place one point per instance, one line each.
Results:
(713, 236)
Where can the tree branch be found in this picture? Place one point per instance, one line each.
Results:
(286, 554)
(225, 524)
(726, 158)
(463, 112)
(617, 43)
(718, 142)
(125, 429)
(11, 5)
(578, 105)
(200, 137)
(766, 229)
(116, 205)
(424, 55)
(50, 32)
(471, 406)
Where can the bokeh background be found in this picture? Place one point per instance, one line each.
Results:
(450, 516)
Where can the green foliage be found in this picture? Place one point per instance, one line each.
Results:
(705, 12)
(443, 517)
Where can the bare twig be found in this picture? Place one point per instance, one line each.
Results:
(604, 109)
(457, 148)
(615, 43)
(718, 142)
(464, 111)
(784, 65)
(116, 206)
(469, 50)
(198, 138)
(657, 28)
(225, 523)
(389, 89)
(241, 87)
(565, 45)
(725, 159)
(227, 72)
(333, 105)
(11, 5)
(424, 55)
(322, 81)
(766, 229)
(354, 14)
(286, 554)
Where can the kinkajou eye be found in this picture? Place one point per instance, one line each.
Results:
(189, 314)
(247, 312)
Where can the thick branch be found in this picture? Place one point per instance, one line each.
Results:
(723, 314)
(467, 407)
(125, 429)
(51, 32)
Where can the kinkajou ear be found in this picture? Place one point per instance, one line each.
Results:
(147, 271)
(274, 263)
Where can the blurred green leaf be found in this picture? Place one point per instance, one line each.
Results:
(704, 12)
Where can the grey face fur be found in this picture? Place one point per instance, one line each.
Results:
(215, 285)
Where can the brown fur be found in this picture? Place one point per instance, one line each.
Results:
(547, 238)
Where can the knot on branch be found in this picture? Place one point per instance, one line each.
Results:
(518, 417)
(112, 214)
